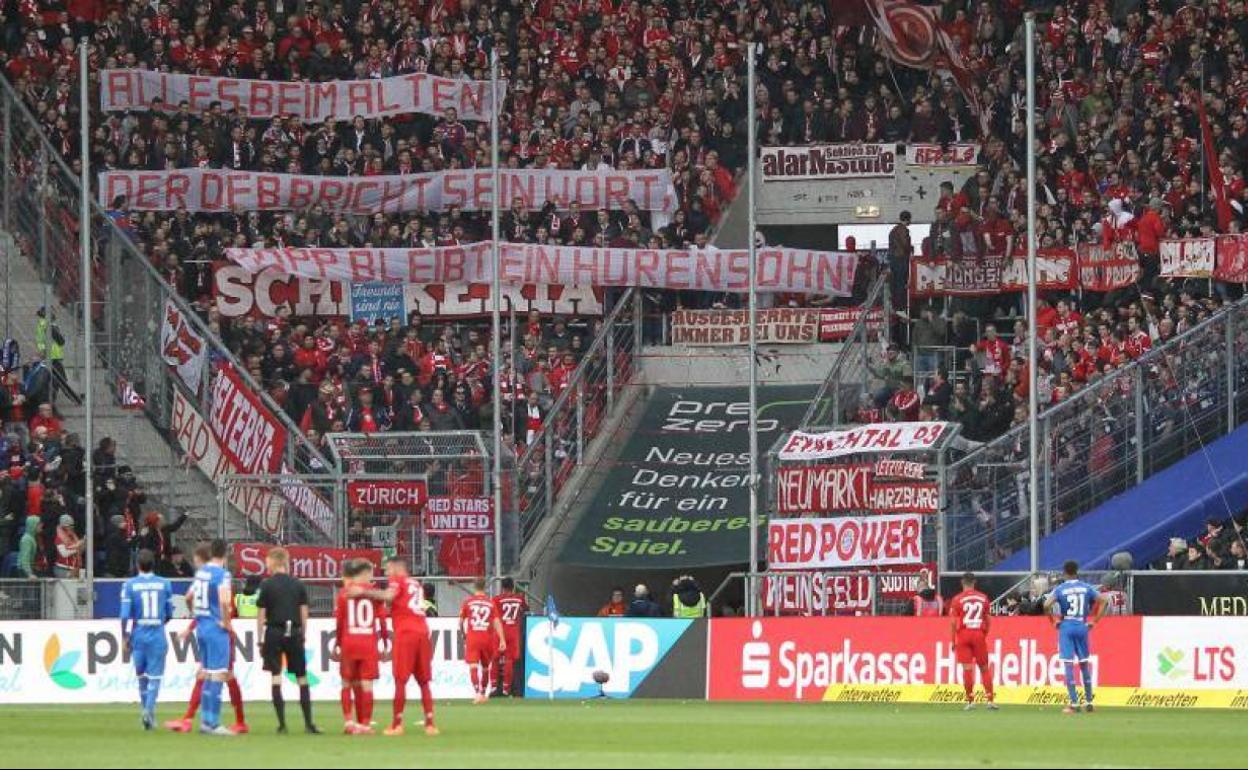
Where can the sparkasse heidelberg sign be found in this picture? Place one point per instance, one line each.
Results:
(388, 495)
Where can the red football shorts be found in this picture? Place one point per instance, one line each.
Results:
(413, 656)
(512, 653)
(971, 647)
(480, 649)
(356, 667)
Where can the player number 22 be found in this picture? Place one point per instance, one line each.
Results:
(973, 614)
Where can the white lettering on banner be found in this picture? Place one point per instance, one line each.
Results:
(836, 324)
(828, 161)
(182, 348)
(248, 434)
(84, 661)
(306, 562)
(1188, 257)
(778, 269)
(459, 515)
(1102, 269)
(876, 437)
(903, 497)
(387, 495)
(920, 154)
(732, 327)
(221, 190)
(936, 277)
(817, 593)
(806, 489)
(1199, 653)
(419, 92)
(900, 469)
(194, 435)
(850, 541)
(312, 504)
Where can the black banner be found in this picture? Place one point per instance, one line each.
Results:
(1191, 593)
(678, 495)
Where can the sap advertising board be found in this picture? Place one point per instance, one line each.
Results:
(642, 657)
(679, 494)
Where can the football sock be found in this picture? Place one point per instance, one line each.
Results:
(365, 706)
(305, 703)
(985, 674)
(509, 671)
(236, 700)
(358, 691)
(1070, 684)
(211, 714)
(968, 682)
(426, 702)
(153, 691)
(400, 703)
(348, 708)
(1085, 673)
(196, 694)
(279, 705)
(143, 691)
(475, 672)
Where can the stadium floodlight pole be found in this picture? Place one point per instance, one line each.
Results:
(1033, 398)
(752, 348)
(84, 239)
(496, 341)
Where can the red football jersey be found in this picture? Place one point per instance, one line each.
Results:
(511, 609)
(406, 610)
(970, 608)
(477, 616)
(361, 622)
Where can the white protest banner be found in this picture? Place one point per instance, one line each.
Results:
(272, 292)
(1188, 257)
(732, 327)
(463, 300)
(221, 190)
(778, 269)
(419, 92)
(923, 154)
(849, 541)
(817, 593)
(828, 161)
(85, 661)
(876, 437)
(182, 348)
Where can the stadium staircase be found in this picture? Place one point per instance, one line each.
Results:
(171, 487)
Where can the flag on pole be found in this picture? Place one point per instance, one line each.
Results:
(911, 34)
(1221, 202)
(552, 612)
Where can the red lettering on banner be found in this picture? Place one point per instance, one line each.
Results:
(119, 84)
(443, 95)
(844, 542)
(323, 94)
(416, 80)
(261, 98)
(471, 99)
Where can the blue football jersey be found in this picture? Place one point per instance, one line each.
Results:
(1075, 600)
(147, 600)
(207, 594)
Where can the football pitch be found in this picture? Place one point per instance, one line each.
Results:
(642, 734)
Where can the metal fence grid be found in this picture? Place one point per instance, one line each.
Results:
(1112, 435)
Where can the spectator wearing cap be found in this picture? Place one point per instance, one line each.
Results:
(69, 548)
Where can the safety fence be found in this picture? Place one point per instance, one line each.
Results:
(1121, 429)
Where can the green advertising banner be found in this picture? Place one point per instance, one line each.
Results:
(678, 496)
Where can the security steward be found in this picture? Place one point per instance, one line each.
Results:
(281, 618)
(688, 601)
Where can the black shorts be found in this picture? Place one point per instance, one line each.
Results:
(277, 646)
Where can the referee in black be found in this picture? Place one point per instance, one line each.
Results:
(282, 617)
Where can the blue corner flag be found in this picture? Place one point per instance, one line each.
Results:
(552, 612)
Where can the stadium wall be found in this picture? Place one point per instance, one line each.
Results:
(1158, 662)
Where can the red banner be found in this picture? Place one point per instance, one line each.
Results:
(972, 277)
(1102, 269)
(905, 580)
(248, 433)
(459, 516)
(387, 495)
(879, 658)
(836, 323)
(1232, 259)
(905, 497)
(849, 541)
(807, 489)
(900, 469)
(306, 562)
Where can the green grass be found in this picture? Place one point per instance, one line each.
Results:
(644, 734)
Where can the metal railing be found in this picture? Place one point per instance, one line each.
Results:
(41, 199)
(590, 398)
(1115, 433)
(850, 381)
